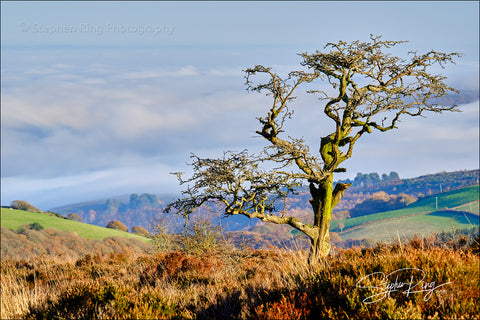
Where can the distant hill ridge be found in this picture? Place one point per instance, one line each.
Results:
(139, 210)
(457, 208)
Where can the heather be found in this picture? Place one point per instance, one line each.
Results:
(224, 282)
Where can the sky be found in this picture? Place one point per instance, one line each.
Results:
(100, 99)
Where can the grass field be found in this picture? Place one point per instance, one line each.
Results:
(407, 227)
(433, 203)
(450, 199)
(470, 207)
(12, 219)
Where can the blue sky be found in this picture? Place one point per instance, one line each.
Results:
(106, 98)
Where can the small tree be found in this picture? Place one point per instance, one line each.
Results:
(75, 217)
(115, 224)
(23, 205)
(140, 231)
(201, 234)
(373, 90)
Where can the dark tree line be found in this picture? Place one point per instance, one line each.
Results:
(369, 179)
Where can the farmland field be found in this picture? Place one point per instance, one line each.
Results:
(470, 207)
(12, 219)
(433, 203)
(407, 227)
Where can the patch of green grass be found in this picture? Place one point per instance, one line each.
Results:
(12, 219)
(470, 207)
(407, 227)
(444, 200)
(449, 199)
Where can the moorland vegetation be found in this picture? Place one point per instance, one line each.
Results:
(215, 280)
(203, 272)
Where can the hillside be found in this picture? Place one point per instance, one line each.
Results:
(450, 211)
(446, 212)
(139, 210)
(12, 219)
(446, 200)
(407, 227)
(418, 187)
(26, 235)
(29, 233)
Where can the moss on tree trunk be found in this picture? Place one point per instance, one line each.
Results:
(322, 201)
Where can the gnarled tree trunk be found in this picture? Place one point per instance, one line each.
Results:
(324, 198)
(322, 209)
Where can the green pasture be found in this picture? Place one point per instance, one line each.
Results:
(470, 207)
(428, 204)
(12, 219)
(407, 227)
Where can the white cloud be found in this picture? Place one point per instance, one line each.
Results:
(149, 74)
(94, 81)
(141, 75)
(131, 121)
(227, 72)
(77, 125)
(81, 129)
(46, 107)
(41, 71)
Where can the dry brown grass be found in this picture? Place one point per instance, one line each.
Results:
(237, 284)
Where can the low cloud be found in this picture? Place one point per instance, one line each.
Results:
(50, 128)
(187, 71)
(227, 72)
(82, 131)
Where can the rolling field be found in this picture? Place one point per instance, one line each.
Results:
(470, 207)
(12, 219)
(430, 214)
(407, 227)
(446, 200)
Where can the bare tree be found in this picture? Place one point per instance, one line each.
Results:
(373, 90)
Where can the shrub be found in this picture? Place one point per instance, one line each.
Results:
(368, 242)
(202, 235)
(75, 217)
(475, 245)
(162, 236)
(115, 224)
(29, 226)
(106, 301)
(140, 231)
(25, 206)
(183, 268)
(36, 226)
